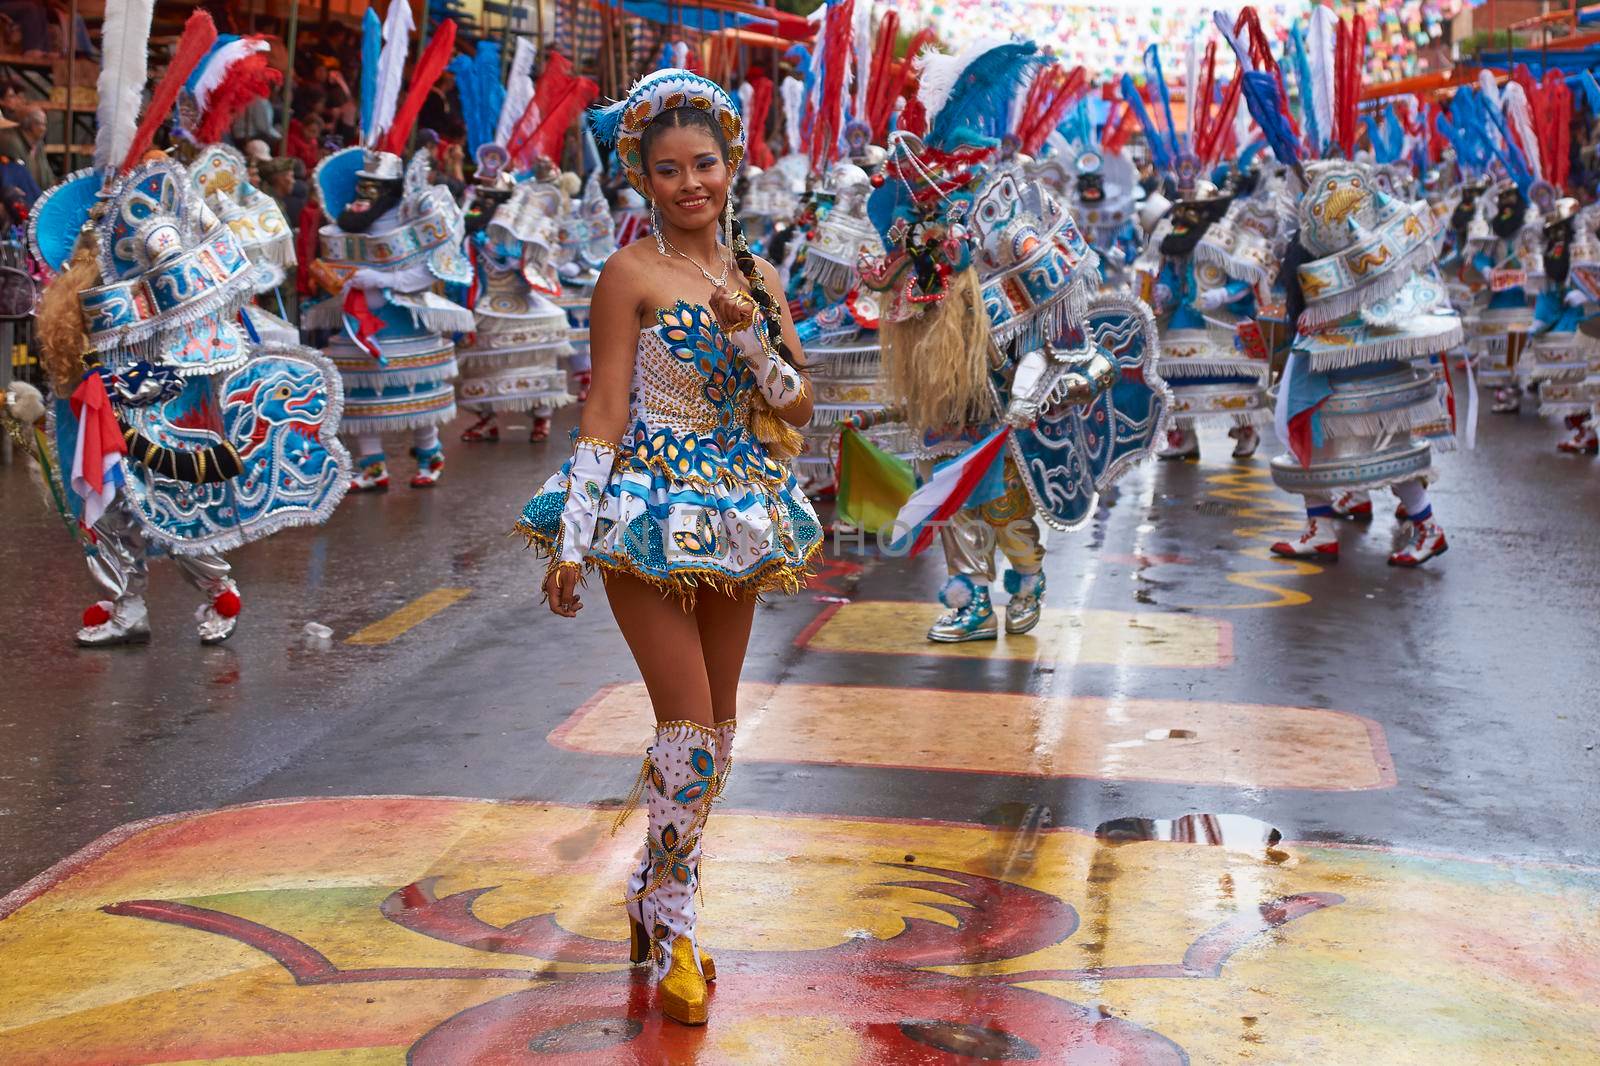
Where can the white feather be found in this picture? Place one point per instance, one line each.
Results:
(1490, 87)
(1319, 57)
(519, 89)
(746, 95)
(124, 68)
(939, 74)
(1519, 116)
(863, 42)
(216, 68)
(680, 55)
(794, 96)
(397, 27)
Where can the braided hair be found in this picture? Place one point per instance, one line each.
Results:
(695, 118)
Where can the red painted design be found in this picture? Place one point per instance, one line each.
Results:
(900, 1012)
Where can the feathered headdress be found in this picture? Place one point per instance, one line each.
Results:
(970, 94)
(481, 92)
(120, 138)
(622, 124)
(233, 74)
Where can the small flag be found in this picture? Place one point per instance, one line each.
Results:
(951, 488)
(873, 485)
(361, 325)
(97, 454)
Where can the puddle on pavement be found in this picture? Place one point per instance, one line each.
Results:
(1235, 832)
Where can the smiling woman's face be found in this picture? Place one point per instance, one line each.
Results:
(686, 177)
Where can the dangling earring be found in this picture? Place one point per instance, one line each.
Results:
(727, 222)
(655, 227)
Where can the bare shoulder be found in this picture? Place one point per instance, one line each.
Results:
(622, 280)
(769, 273)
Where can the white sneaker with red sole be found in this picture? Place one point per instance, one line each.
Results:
(1427, 540)
(1319, 541)
(1353, 507)
(1246, 441)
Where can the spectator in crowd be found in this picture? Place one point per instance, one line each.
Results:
(344, 116)
(256, 122)
(305, 138)
(281, 183)
(256, 152)
(24, 141)
(18, 189)
(32, 19)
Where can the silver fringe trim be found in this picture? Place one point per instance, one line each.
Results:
(1247, 270)
(385, 379)
(359, 427)
(829, 274)
(519, 404)
(1343, 304)
(1378, 423)
(1386, 351)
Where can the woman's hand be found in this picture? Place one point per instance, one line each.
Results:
(561, 589)
(734, 309)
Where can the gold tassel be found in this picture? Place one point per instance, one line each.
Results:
(936, 365)
(782, 440)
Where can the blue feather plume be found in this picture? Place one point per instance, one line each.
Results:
(603, 122)
(1153, 73)
(491, 87)
(1251, 150)
(1158, 151)
(466, 76)
(1591, 91)
(371, 49)
(1266, 106)
(1302, 77)
(981, 98)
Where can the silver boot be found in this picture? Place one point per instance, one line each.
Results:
(1027, 601)
(129, 623)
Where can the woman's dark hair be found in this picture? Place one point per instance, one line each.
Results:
(695, 118)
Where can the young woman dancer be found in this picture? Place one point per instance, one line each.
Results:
(679, 489)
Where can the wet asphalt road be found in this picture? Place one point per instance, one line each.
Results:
(1482, 669)
(395, 849)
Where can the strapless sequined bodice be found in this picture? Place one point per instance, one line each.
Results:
(689, 411)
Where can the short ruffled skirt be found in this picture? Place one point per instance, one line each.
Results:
(739, 537)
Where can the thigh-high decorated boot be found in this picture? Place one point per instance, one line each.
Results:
(679, 780)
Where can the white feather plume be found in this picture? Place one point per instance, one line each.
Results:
(124, 69)
(939, 73)
(1519, 116)
(746, 94)
(680, 55)
(217, 65)
(397, 27)
(862, 32)
(1489, 87)
(519, 89)
(1319, 57)
(794, 103)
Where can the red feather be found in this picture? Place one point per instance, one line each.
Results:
(898, 87)
(248, 80)
(429, 66)
(836, 48)
(882, 65)
(755, 129)
(199, 34)
(562, 116)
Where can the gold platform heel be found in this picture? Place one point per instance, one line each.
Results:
(682, 992)
(639, 951)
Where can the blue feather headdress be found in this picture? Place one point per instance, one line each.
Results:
(620, 124)
(972, 93)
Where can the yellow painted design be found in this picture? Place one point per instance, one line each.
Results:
(893, 627)
(1308, 954)
(1238, 744)
(409, 617)
(1275, 517)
